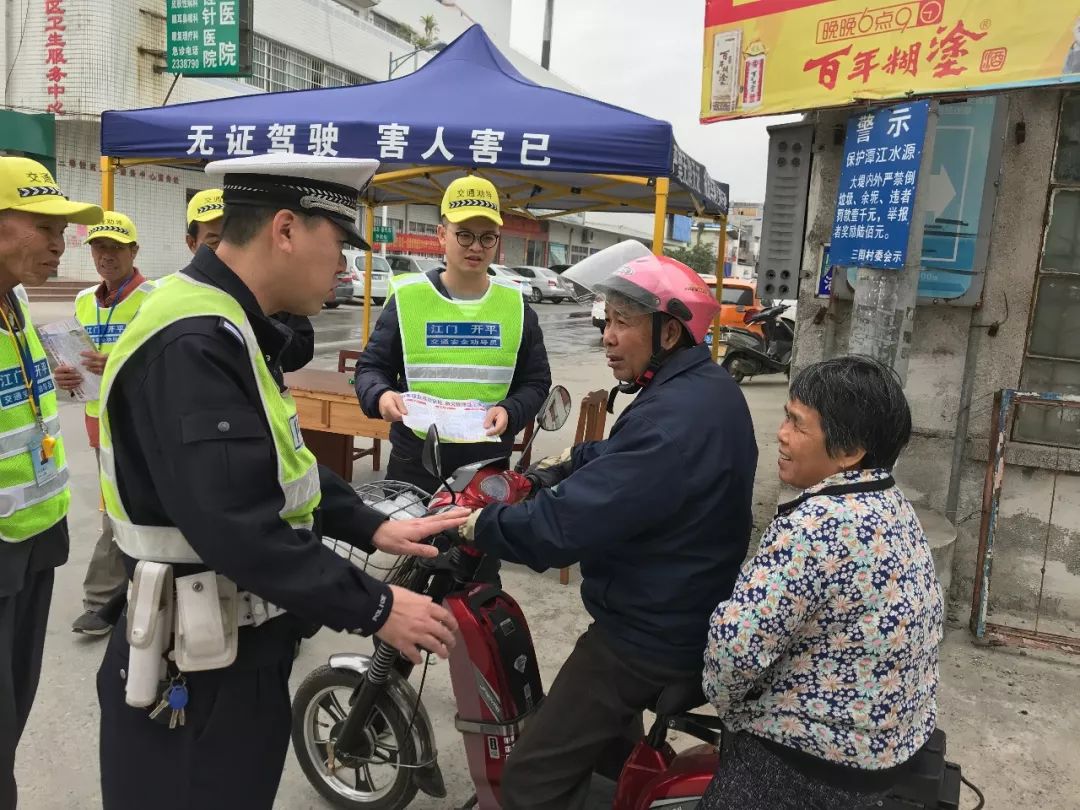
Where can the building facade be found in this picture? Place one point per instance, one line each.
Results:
(1023, 334)
(77, 58)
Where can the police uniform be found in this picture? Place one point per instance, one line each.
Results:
(34, 495)
(204, 467)
(104, 314)
(209, 205)
(490, 349)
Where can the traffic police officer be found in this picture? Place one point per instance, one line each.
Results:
(204, 217)
(411, 348)
(204, 468)
(105, 310)
(34, 495)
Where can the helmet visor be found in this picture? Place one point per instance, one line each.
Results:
(595, 270)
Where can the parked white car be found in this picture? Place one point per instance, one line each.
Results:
(411, 264)
(504, 272)
(380, 276)
(546, 284)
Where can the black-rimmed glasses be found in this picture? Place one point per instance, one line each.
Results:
(487, 240)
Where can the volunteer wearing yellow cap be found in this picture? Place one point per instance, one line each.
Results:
(205, 213)
(411, 345)
(204, 216)
(34, 494)
(105, 310)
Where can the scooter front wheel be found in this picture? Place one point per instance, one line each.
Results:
(375, 780)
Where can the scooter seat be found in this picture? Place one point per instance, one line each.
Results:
(680, 698)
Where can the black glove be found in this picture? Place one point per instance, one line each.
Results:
(548, 472)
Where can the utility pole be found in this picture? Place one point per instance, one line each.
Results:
(883, 313)
(545, 54)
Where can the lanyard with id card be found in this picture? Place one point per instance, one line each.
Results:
(102, 334)
(42, 447)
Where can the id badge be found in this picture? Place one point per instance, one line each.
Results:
(44, 469)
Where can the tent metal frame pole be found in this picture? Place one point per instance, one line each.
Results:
(721, 249)
(663, 184)
(369, 232)
(549, 193)
(413, 196)
(408, 174)
(108, 183)
(435, 183)
(626, 178)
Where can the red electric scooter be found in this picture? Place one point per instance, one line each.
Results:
(364, 739)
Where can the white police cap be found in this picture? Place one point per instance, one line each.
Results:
(311, 184)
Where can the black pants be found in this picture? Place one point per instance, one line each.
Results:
(412, 472)
(229, 753)
(751, 777)
(591, 714)
(23, 618)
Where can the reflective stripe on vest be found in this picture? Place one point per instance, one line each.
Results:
(459, 349)
(105, 335)
(27, 508)
(179, 297)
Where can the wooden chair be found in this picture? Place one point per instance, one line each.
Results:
(375, 451)
(592, 419)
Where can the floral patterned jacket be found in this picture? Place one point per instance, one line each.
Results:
(829, 642)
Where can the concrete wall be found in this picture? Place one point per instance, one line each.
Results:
(155, 197)
(949, 341)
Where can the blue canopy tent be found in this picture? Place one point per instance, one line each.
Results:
(468, 110)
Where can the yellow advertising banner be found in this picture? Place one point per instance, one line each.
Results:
(764, 57)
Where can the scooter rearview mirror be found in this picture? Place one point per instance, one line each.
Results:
(431, 455)
(555, 410)
(553, 415)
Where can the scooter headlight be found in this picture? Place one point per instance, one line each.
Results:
(496, 488)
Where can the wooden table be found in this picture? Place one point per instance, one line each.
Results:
(330, 418)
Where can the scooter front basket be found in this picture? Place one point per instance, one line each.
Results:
(398, 501)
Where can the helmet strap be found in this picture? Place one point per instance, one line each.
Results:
(659, 355)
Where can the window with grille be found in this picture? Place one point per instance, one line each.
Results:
(423, 227)
(578, 252)
(276, 67)
(392, 27)
(1052, 361)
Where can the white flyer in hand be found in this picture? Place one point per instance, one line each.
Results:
(63, 342)
(457, 420)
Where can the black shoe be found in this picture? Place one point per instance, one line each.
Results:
(91, 624)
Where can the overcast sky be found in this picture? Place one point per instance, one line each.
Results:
(646, 56)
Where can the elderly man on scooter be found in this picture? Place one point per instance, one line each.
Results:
(658, 516)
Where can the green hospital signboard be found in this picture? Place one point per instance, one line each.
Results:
(208, 37)
(384, 234)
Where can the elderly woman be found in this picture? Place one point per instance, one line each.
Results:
(823, 663)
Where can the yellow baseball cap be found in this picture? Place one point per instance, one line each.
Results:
(206, 206)
(469, 197)
(26, 185)
(115, 226)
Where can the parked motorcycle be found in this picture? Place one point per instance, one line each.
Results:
(749, 354)
(364, 739)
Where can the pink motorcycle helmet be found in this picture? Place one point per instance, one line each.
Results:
(657, 284)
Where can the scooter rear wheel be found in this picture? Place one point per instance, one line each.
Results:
(730, 368)
(374, 782)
